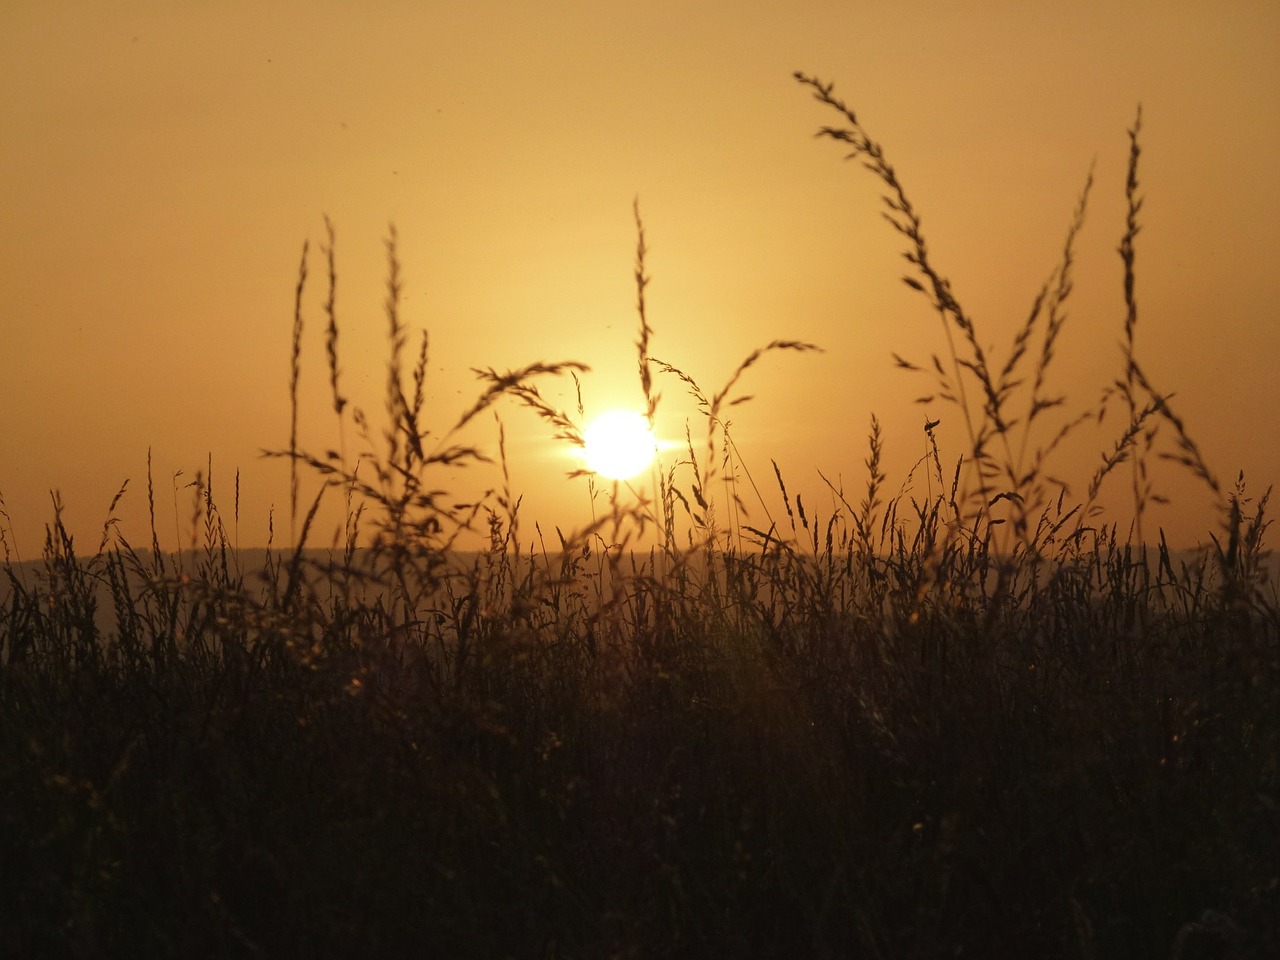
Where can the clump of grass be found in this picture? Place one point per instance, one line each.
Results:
(977, 719)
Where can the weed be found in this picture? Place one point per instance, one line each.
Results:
(976, 719)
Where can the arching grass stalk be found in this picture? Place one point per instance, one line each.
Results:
(1019, 480)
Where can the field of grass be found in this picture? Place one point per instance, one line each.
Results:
(987, 723)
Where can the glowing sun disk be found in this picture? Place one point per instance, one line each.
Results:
(619, 444)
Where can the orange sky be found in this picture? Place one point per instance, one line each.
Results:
(162, 164)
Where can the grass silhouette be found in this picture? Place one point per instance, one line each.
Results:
(985, 722)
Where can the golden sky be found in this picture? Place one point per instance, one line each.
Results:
(162, 164)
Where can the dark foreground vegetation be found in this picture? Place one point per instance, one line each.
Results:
(983, 723)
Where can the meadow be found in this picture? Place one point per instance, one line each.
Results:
(989, 721)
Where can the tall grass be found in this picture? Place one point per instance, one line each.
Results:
(978, 721)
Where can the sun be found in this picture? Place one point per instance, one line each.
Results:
(619, 444)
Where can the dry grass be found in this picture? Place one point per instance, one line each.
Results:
(981, 721)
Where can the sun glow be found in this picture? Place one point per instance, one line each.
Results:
(619, 444)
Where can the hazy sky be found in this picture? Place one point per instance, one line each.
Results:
(162, 164)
